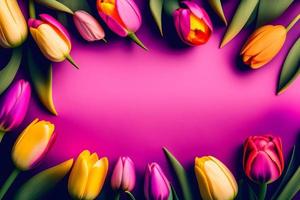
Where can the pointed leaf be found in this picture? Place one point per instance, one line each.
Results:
(53, 4)
(76, 5)
(41, 75)
(217, 6)
(181, 175)
(240, 18)
(290, 69)
(174, 194)
(171, 6)
(253, 17)
(291, 188)
(43, 182)
(156, 7)
(271, 9)
(8, 73)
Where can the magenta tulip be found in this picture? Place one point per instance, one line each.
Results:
(13, 106)
(123, 176)
(263, 158)
(88, 26)
(192, 23)
(157, 186)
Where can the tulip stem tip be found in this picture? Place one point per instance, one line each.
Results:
(293, 22)
(1, 135)
(32, 12)
(12, 177)
(137, 40)
(262, 191)
(117, 195)
(71, 60)
(104, 40)
(130, 195)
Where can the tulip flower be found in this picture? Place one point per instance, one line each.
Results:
(13, 27)
(263, 160)
(29, 149)
(157, 186)
(13, 106)
(87, 176)
(192, 23)
(214, 179)
(52, 38)
(122, 16)
(88, 26)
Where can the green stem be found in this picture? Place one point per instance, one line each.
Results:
(262, 191)
(117, 195)
(9, 181)
(70, 59)
(293, 22)
(1, 135)
(292, 187)
(32, 13)
(137, 40)
(130, 195)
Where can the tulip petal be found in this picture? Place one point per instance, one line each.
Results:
(128, 175)
(114, 25)
(116, 179)
(203, 183)
(129, 14)
(159, 187)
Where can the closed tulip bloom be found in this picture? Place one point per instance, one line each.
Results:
(157, 186)
(192, 23)
(13, 27)
(263, 158)
(123, 176)
(214, 179)
(32, 144)
(263, 45)
(88, 26)
(14, 105)
(87, 176)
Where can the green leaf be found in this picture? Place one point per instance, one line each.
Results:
(253, 16)
(287, 174)
(271, 9)
(240, 18)
(156, 7)
(170, 6)
(291, 188)
(76, 5)
(181, 175)
(40, 71)
(217, 6)
(174, 194)
(53, 4)
(290, 69)
(8, 73)
(43, 182)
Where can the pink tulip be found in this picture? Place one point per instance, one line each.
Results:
(192, 23)
(157, 186)
(123, 176)
(88, 26)
(263, 159)
(13, 105)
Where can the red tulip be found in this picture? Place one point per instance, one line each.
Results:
(263, 159)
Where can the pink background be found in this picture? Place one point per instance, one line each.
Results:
(195, 101)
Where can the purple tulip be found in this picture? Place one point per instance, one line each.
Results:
(123, 176)
(13, 105)
(192, 23)
(157, 186)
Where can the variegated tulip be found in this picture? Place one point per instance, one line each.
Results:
(13, 27)
(87, 176)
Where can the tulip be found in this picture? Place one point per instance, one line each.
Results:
(157, 186)
(122, 16)
(214, 179)
(87, 176)
(88, 26)
(192, 23)
(13, 27)
(52, 38)
(13, 106)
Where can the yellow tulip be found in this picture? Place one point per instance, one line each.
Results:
(87, 176)
(214, 179)
(13, 27)
(32, 144)
(263, 45)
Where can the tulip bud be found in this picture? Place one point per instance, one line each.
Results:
(32, 144)
(87, 176)
(51, 37)
(263, 158)
(13, 27)
(263, 45)
(214, 179)
(88, 26)
(123, 176)
(13, 105)
(157, 186)
(192, 23)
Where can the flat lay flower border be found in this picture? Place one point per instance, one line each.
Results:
(263, 160)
